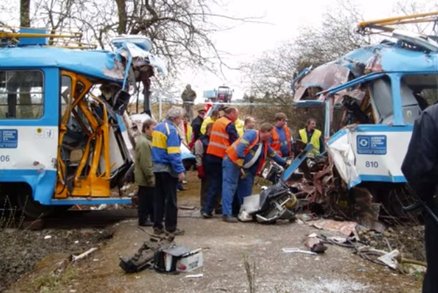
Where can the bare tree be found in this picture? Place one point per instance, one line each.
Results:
(24, 13)
(314, 46)
(269, 77)
(180, 30)
(335, 37)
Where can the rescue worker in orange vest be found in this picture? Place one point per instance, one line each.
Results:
(281, 136)
(223, 134)
(244, 159)
(312, 135)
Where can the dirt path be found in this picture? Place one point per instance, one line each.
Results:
(224, 246)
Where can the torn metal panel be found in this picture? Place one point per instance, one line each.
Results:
(340, 149)
(321, 78)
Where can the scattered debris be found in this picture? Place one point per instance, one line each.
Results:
(390, 259)
(345, 227)
(47, 237)
(190, 261)
(297, 250)
(195, 276)
(163, 255)
(144, 257)
(75, 258)
(315, 244)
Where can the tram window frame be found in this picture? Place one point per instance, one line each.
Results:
(424, 87)
(12, 100)
(66, 95)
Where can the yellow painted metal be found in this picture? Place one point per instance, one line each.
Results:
(92, 175)
(384, 23)
(76, 44)
(14, 35)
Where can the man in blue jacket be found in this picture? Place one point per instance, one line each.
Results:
(243, 161)
(168, 170)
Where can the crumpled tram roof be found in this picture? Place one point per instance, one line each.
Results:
(95, 63)
(384, 57)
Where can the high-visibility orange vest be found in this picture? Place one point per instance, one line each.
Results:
(276, 143)
(232, 153)
(219, 138)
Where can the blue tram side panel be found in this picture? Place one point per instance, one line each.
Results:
(381, 89)
(62, 118)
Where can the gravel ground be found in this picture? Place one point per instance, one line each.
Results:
(226, 249)
(21, 250)
(44, 266)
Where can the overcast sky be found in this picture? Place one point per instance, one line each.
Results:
(278, 22)
(281, 22)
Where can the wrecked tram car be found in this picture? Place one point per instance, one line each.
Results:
(380, 90)
(63, 139)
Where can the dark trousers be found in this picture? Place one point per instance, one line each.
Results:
(203, 192)
(165, 201)
(145, 204)
(430, 282)
(213, 170)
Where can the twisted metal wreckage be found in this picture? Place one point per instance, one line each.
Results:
(64, 129)
(380, 91)
(63, 122)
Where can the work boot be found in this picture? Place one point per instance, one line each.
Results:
(206, 215)
(229, 219)
(158, 231)
(146, 223)
(175, 232)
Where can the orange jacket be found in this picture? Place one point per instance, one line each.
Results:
(249, 143)
(219, 138)
(276, 143)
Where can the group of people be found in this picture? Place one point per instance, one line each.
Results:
(229, 154)
(158, 169)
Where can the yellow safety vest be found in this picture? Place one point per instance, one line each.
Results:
(204, 124)
(239, 126)
(314, 140)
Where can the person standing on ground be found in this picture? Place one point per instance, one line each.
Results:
(223, 134)
(244, 159)
(186, 134)
(187, 130)
(420, 168)
(200, 148)
(281, 136)
(210, 119)
(144, 174)
(312, 135)
(188, 96)
(168, 170)
(196, 125)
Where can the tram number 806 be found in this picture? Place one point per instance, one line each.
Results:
(5, 158)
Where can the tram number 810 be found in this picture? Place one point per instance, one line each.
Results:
(371, 164)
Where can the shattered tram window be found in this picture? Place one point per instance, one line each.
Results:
(21, 94)
(381, 100)
(424, 88)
